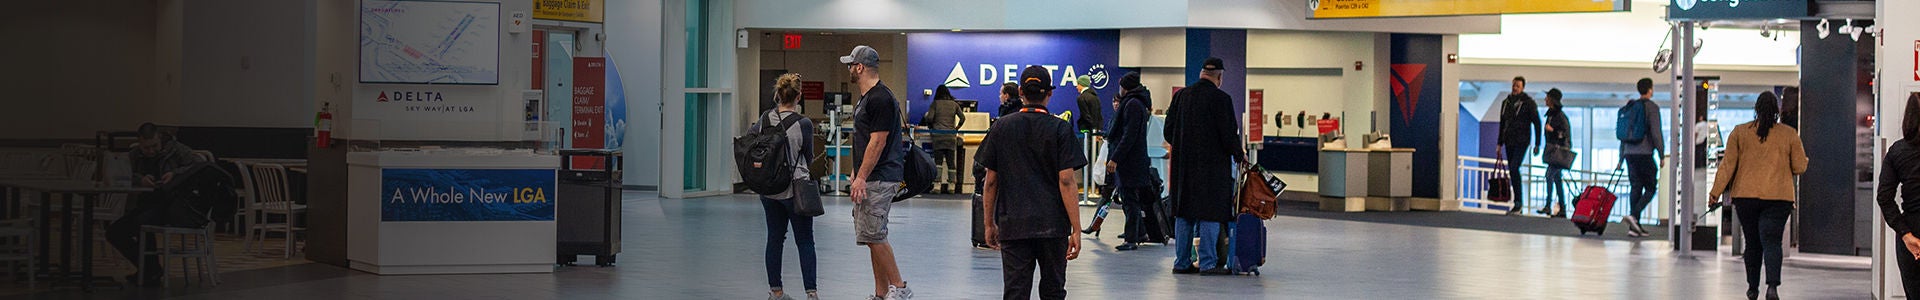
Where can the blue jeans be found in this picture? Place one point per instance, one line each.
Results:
(1556, 189)
(1183, 233)
(779, 215)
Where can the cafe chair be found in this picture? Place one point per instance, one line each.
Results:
(273, 199)
(183, 244)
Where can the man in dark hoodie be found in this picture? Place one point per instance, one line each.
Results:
(1127, 160)
(1519, 128)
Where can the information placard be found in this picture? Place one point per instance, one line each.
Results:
(434, 195)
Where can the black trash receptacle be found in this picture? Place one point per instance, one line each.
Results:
(588, 211)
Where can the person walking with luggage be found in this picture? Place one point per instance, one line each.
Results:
(779, 207)
(1900, 175)
(881, 169)
(1202, 129)
(1519, 127)
(1762, 158)
(1033, 163)
(1559, 141)
(1128, 161)
(1638, 128)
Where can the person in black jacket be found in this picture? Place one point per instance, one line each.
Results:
(1519, 127)
(1559, 134)
(1204, 133)
(1089, 103)
(1900, 173)
(158, 162)
(1009, 99)
(1127, 159)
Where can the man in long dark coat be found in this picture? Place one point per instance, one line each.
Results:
(1204, 135)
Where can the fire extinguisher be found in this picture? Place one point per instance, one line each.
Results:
(323, 126)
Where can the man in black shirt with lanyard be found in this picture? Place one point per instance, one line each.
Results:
(1031, 192)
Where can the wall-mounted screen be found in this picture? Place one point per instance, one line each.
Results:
(429, 42)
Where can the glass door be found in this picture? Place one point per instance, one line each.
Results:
(558, 78)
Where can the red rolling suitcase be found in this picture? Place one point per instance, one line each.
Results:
(1591, 208)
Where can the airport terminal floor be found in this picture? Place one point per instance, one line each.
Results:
(711, 248)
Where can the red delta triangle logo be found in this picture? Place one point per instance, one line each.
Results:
(383, 96)
(1407, 82)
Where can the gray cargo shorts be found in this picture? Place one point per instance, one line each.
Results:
(870, 215)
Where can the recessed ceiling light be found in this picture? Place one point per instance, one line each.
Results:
(956, 30)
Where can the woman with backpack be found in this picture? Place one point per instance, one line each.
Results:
(779, 207)
(1758, 172)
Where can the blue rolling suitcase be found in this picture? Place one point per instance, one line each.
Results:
(1249, 243)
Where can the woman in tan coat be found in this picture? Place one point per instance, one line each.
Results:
(1762, 159)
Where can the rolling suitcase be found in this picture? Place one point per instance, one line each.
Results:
(1249, 244)
(979, 225)
(1591, 208)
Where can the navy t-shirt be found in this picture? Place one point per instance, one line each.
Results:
(878, 112)
(1026, 152)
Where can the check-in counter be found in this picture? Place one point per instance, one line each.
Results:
(451, 212)
(1343, 179)
(1389, 179)
(1376, 179)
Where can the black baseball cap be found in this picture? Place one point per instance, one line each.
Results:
(1212, 64)
(1036, 78)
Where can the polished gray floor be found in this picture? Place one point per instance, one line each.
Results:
(710, 248)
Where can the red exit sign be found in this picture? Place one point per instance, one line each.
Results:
(790, 41)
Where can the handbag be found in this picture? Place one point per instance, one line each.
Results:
(806, 198)
(1559, 156)
(1499, 187)
(1256, 194)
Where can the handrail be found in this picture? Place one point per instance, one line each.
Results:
(1474, 172)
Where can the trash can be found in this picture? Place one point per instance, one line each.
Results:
(588, 211)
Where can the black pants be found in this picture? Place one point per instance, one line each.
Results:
(124, 235)
(1909, 268)
(1643, 175)
(1017, 259)
(1762, 224)
(1141, 226)
(1516, 157)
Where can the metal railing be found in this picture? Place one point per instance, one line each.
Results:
(1474, 172)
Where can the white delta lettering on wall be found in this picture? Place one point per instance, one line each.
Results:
(432, 195)
(991, 75)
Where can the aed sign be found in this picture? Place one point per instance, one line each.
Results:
(435, 195)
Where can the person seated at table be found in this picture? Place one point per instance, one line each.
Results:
(158, 160)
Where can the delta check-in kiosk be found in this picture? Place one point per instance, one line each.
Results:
(451, 212)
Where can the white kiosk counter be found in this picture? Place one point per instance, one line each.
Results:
(451, 212)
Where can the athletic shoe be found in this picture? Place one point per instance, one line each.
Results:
(1126, 247)
(781, 296)
(899, 293)
(813, 295)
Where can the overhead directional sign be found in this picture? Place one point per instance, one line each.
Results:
(1334, 9)
(1737, 9)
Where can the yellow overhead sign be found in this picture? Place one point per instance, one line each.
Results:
(569, 10)
(1332, 9)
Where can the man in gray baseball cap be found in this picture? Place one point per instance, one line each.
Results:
(880, 167)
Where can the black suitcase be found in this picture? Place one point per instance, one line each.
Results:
(979, 224)
(588, 211)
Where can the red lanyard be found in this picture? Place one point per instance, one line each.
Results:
(1031, 109)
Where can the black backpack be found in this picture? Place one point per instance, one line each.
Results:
(763, 157)
(918, 178)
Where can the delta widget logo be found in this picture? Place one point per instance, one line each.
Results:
(991, 74)
(1407, 81)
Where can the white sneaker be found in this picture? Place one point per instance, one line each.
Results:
(899, 293)
(782, 296)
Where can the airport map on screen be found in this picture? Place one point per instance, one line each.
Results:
(430, 42)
